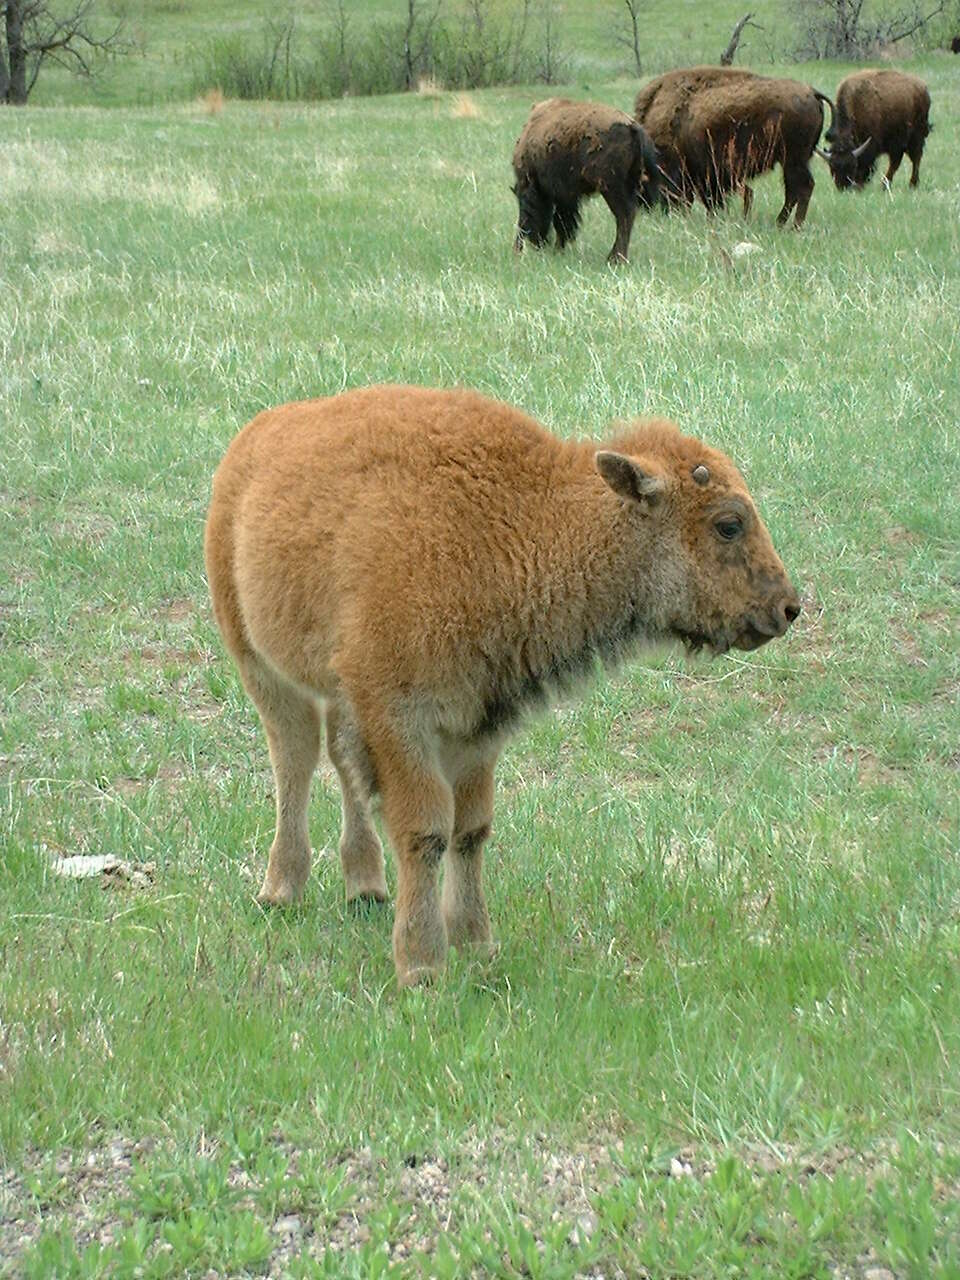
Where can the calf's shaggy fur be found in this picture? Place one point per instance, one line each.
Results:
(417, 569)
(569, 150)
(879, 113)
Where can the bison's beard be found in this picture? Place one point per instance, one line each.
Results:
(694, 641)
(749, 637)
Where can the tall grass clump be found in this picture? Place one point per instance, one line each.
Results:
(481, 45)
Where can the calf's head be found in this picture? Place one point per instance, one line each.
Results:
(711, 574)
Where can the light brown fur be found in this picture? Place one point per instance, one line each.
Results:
(422, 567)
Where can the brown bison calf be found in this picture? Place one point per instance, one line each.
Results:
(569, 150)
(878, 113)
(420, 568)
(715, 128)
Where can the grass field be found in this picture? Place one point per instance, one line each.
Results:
(722, 1034)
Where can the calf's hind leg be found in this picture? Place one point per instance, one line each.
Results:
(463, 904)
(361, 854)
(292, 724)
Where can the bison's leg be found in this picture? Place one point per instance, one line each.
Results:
(464, 906)
(623, 205)
(292, 722)
(915, 152)
(417, 806)
(896, 159)
(566, 221)
(747, 200)
(798, 187)
(535, 212)
(361, 854)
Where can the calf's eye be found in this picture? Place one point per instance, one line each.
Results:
(729, 529)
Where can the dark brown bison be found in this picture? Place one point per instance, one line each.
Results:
(717, 127)
(955, 44)
(878, 113)
(568, 150)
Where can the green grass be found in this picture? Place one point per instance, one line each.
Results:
(728, 894)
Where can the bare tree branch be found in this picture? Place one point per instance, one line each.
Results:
(917, 22)
(632, 41)
(728, 55)
(34, 33)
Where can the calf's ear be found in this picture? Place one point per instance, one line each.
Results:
(628, 479)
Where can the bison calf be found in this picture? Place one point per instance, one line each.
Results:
(878, 113)
(569, 150)
(417, 569)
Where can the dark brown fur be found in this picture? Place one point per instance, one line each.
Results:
(418, 569)
(888, 113)
(569, 150)
(715, 128)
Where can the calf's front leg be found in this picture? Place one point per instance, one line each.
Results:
(417, 806)
(463, 904)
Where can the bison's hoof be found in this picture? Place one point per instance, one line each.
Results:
(360, 899)
(421, 976)
(279, 895)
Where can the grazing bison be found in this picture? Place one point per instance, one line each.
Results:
(568, 150)
(418, 569)
(715, 128)
(878, 113)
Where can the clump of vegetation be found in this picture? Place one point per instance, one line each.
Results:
(483, 43)
(840, 29)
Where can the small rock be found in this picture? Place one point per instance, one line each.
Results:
(680, 1168)
(879, 1273)
(288, 1226)
(584, 1228)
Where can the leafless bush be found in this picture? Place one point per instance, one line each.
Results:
(631, 38)
(840, 29)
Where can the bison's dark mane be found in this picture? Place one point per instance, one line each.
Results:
(521, 688)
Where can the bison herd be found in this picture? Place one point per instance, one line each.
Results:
(702, 134)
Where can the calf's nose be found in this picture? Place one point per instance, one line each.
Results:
(787, 611)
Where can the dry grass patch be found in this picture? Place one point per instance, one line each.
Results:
(464, 107)
(212, 102)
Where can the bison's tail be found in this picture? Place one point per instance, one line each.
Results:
(833, 111)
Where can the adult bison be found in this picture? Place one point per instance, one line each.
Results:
(568, 150)
(421, 568)
(715, 128)
(878, 113)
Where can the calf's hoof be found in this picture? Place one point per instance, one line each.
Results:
(279, 894)
(419, 954)
(360, 890)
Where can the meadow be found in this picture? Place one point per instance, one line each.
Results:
(721, 1035)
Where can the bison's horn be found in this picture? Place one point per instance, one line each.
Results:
(824, 155)
(858, 151)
